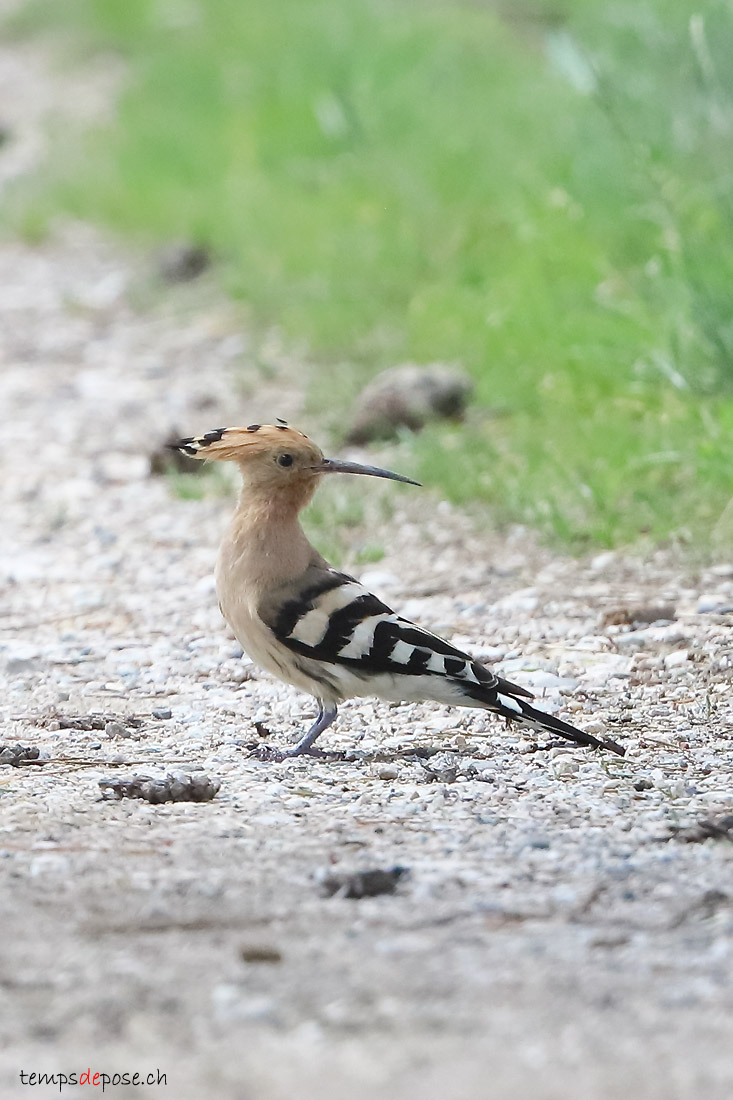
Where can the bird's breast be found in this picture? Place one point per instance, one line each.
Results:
(240, 595)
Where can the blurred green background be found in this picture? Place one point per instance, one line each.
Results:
(540, 191)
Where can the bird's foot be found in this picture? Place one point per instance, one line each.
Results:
(304, 747)
(268, 754)
(271, 755)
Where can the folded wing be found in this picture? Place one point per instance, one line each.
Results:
(333, 618)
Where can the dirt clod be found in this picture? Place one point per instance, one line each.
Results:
(96, 721)
(639, 616)
(260, 953)
(713, 828)
(182, 261)
(408, 397)
(175, 787)
(363, 884)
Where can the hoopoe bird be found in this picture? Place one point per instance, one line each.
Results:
(316, 628)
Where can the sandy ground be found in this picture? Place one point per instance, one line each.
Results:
(555, 936)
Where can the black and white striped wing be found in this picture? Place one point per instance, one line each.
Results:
(335, 619)
(338, 624)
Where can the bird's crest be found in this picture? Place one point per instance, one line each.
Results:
(234, 444)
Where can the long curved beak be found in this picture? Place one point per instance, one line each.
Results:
(336, 466)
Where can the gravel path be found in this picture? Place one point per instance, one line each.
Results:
(563, 931)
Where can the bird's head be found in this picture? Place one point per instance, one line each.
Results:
(276, 462)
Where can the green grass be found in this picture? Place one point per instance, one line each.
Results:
(541, 192)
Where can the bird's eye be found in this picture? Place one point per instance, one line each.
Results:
(285, 460)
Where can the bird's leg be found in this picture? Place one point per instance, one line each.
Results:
(325, 717)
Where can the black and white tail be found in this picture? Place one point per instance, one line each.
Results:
(524, 714)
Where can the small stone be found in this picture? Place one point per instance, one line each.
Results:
(116, 729)
(163, 713)
(540, 682)
(22, 659)
(565, 765)
(632, 639)
(442, 768)
(16, 755)
(712, 602)
(603, 561)
(388, 771)
(241, 674)
(525, 599)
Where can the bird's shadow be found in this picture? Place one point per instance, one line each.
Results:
(271, 754)
(418, 753)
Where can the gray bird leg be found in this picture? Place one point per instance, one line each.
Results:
(325, 717)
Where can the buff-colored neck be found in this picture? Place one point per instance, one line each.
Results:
(265, 545)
